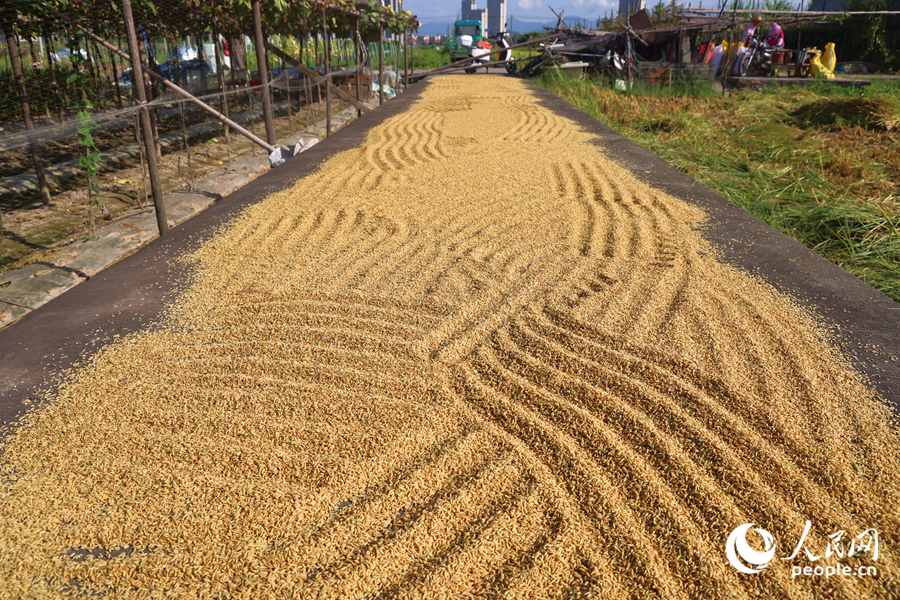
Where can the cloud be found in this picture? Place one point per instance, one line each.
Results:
(529, 4)
(596, 4)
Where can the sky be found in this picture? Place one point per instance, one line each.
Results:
(442, 11)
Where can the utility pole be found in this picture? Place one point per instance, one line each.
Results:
(162, 220)
(263, 73)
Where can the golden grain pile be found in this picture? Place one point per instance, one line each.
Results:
(471, 358)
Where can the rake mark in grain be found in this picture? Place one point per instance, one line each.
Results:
(406, 377)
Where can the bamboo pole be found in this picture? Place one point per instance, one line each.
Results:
(358, 59)
(380, 65)
(201, 54)
(141, 151)
(187, 149)
(327, 72)
(220, 76)
(57, 95)
(144, 58)
(268, 115)
(115, 74)
(287, 85)
(93, 59)
(162, 221)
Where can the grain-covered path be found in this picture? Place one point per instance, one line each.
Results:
(472, 356)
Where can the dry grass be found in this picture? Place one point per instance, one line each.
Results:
(822, 164)
(415, 376)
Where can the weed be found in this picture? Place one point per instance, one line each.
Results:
(819, 163)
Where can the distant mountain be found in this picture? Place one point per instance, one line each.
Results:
(518, 26)
(434, 28)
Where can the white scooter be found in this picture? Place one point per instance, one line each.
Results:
(481, 55)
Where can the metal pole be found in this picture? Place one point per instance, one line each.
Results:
(263, 73)
(327, 71)
(162, 220)
(380, 65)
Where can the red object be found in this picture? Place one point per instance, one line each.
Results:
(226, 47)
(485, 45)
(775, 36)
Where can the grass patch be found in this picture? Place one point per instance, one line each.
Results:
(430, 57)
(821, 164)
(877, 114)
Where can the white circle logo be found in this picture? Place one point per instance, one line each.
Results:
(737, 546)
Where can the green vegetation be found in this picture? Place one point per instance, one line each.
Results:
(429, 57)
(822, 164)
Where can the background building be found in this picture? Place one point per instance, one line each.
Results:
(478, 14)
(629, 7)
(496, 16)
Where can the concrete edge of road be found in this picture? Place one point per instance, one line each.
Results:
(863, 322)
(130, 295)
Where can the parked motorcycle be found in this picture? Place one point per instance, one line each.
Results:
(757, 60)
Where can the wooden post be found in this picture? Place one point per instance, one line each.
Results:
(104, 70)
(162, 220)
(7, 27)
(380, 65)
(327, 72)
(315, 39)
(201, 54)
(287, 86)
(263, 73)
(48, 39)
(144, 58)
(358, 58)
(399, 70)
(115, 74)
(93, 59)
(405, 58)
(220, 77)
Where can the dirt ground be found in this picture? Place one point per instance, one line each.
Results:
(421, 373)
